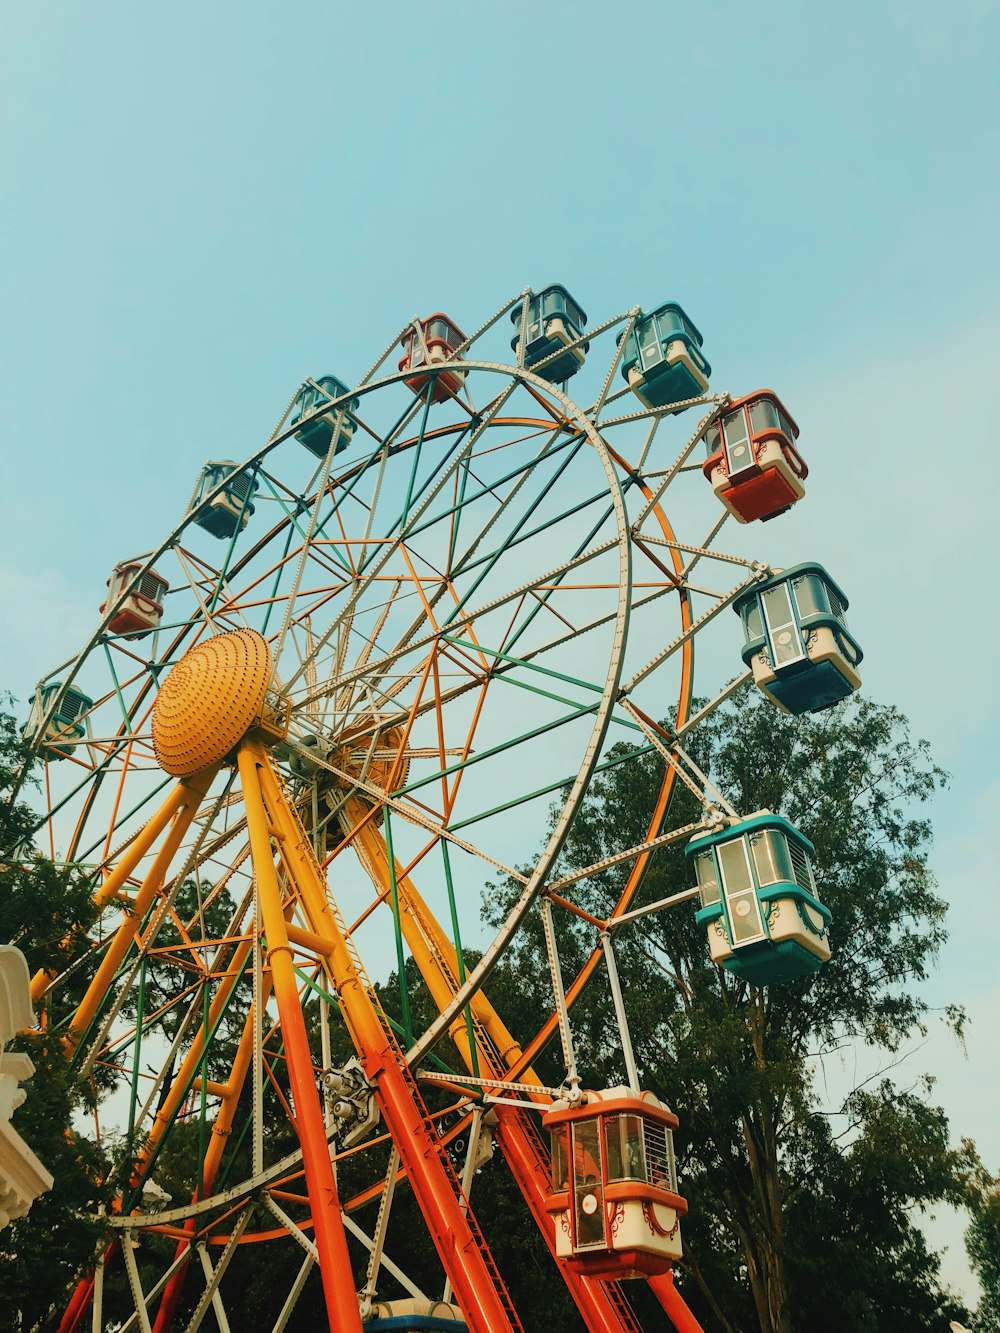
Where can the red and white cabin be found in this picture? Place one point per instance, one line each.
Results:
(752, 463)
(614, 1184)
(142, 609)
(435, 342)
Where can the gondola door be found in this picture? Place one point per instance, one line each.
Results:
(589, 1224)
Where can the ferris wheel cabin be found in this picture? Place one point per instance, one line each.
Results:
(142, 609)
(753, 464)
(803, 656)
(662, 360)
(759, 903)
(554, 321)
(230, 510)
(65, 727)
(321, 429)
(415, 1316)
(614, 1184)
(430, 342)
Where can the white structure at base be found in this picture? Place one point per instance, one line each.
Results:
(22, 1176)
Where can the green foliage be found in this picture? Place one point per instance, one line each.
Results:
(42, 906)
(861, 1199)
(982, 1241)
(772, 1192)
(795, 1223)
(41, 1254)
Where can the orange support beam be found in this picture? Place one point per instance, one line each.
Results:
(331, 1240)
(183, 803)
(674, 1304)
(437, 961)
(128, 861)
(477, 1285)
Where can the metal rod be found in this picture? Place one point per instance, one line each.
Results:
(210, 1296)
(97, 1314)
(378, 1238)
(565, 1034)
(294, 1293)
(128, 1250)
(467, 1174)
(684, 896)
(619, 1001)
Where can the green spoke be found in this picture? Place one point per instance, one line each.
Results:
(118, 689)
(404, 998)
(460, 956)
(549, 788)
(513, 539)
(498, 749)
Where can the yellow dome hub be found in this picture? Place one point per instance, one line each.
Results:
(211, 699)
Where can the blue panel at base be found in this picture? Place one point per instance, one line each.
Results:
(557, 371)
(767, 964)
(665, 384)
(218, 522)
(316, 438)
(811, 691)
(416, 1323)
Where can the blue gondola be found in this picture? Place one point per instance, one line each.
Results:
(554, 320)
(415, 1324)
(230, 511)
(415, 1316)
(318, 433)
(65, 727)
(662, 360)
(764, 919)
(804, 658)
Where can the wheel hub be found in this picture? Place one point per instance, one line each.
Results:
(210, 700)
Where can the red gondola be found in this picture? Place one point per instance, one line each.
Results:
(142, 609)
(614, 1184)
(752, 463)
(429, 342)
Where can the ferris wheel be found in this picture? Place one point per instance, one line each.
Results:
(322, 717)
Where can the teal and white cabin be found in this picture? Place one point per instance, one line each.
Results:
(320, 429)
(759, 903)
(662, 359)
(67, 725)
(230, 510)
(554, 320)
(796, 640)
(415, 1316)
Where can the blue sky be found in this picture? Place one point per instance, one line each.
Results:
(199, 204)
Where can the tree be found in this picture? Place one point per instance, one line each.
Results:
(42, 906)
(797, 1221)
(784, 1211)
(982, 1242)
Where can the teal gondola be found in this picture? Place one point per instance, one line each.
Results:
(66, 726)
(415, 1316)
(415, 1324)
(760, 906)
(796, 639)
(662, 360)
(230, 510)
(554, 321)
(320, 430)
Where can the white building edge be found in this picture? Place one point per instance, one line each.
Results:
(22, 1176)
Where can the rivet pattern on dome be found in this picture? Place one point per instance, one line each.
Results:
(209, 701)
